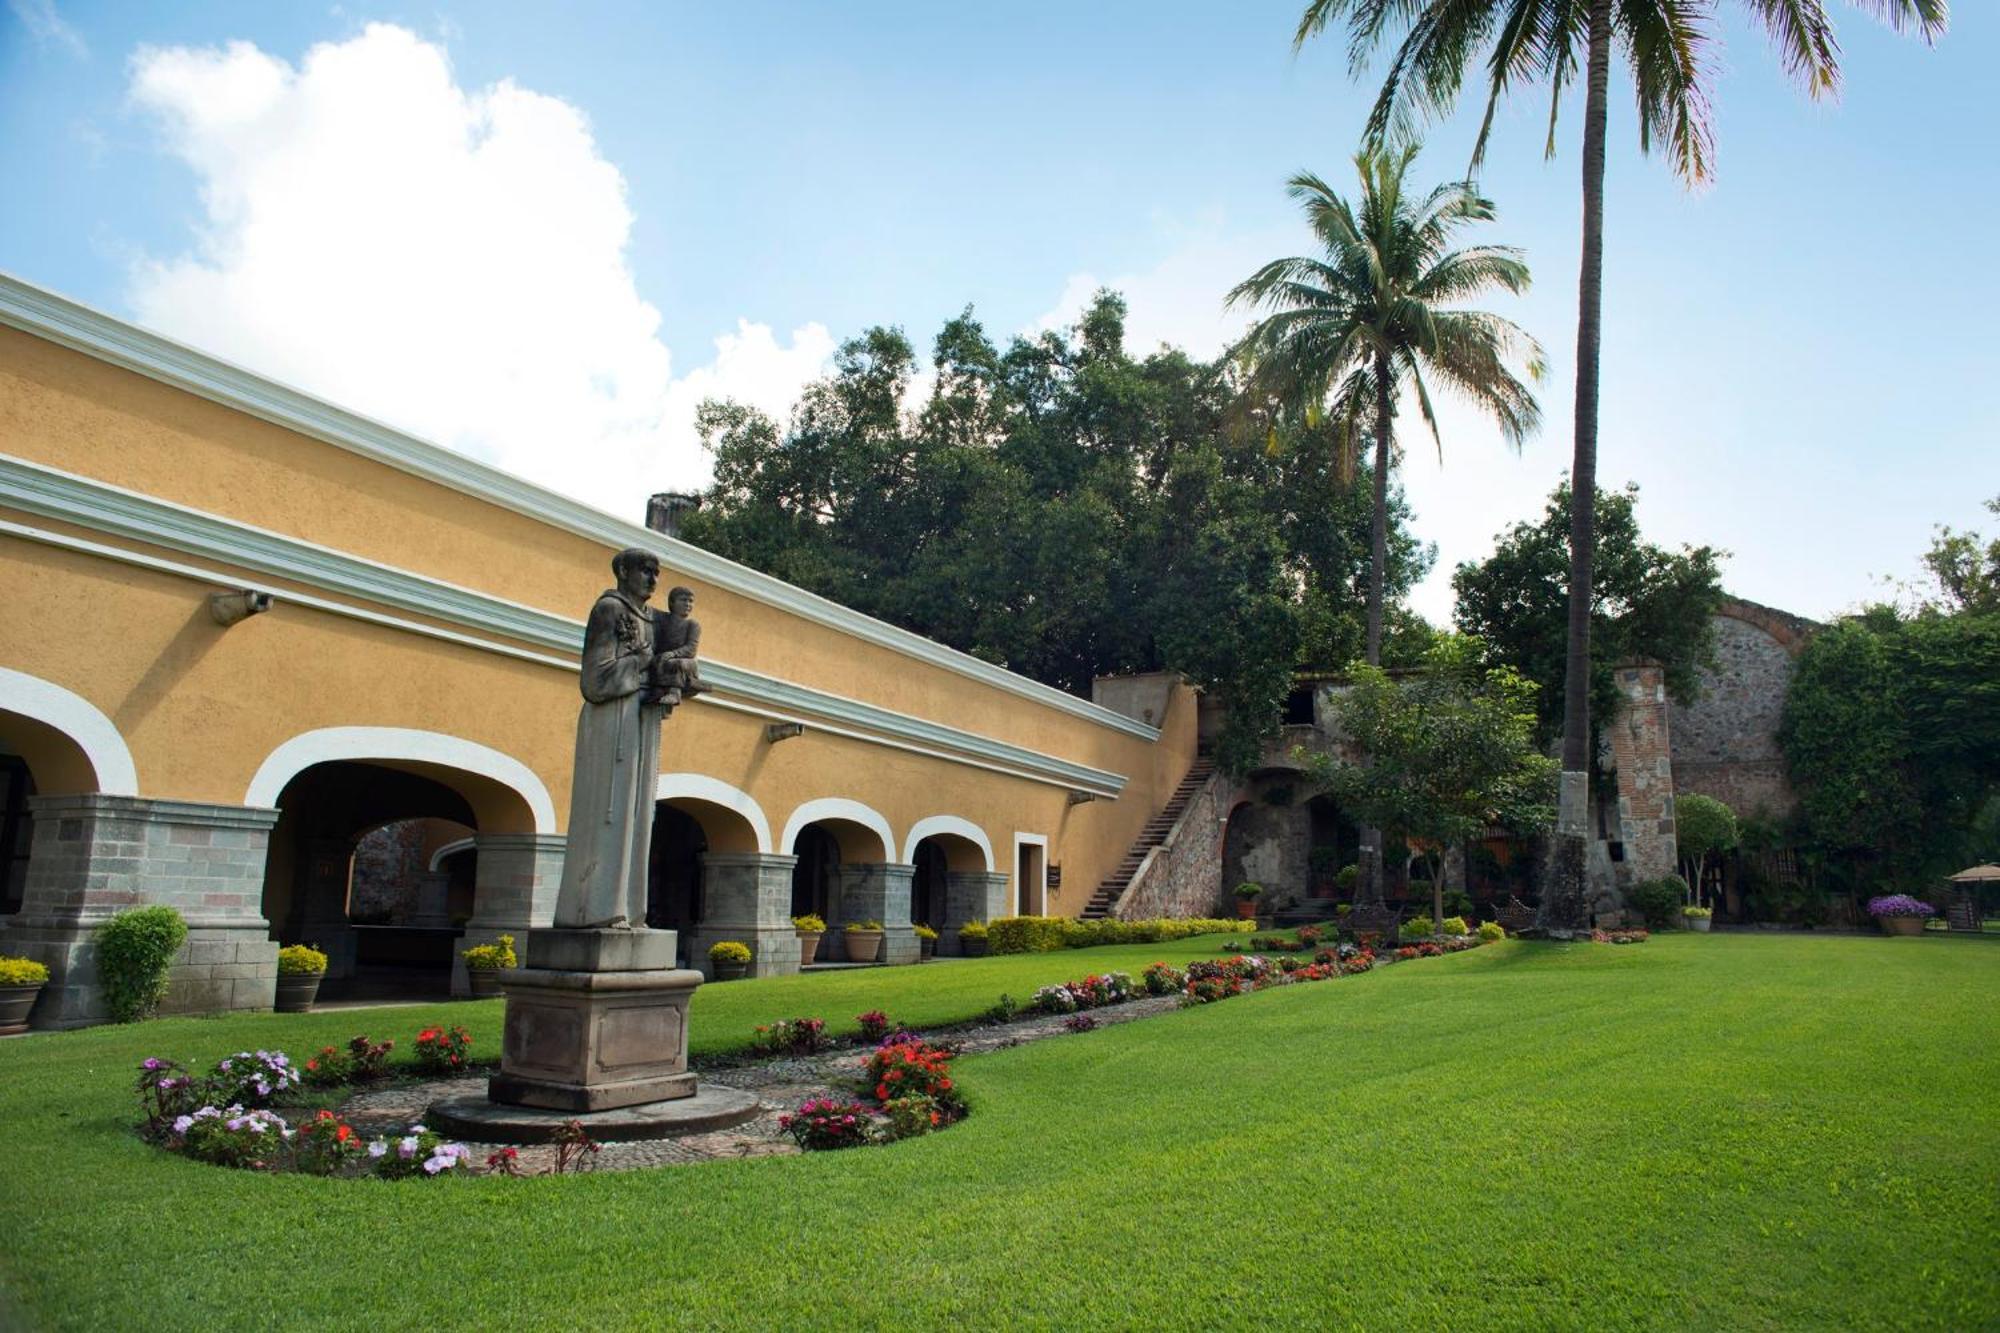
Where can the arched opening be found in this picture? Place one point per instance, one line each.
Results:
(936, 857)
(815, 873)
(673, 877)
(17, 784)
(52, 742)
(1335, 845)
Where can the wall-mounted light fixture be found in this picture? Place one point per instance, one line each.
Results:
(783, 731)
(227, 608)
(1083, 797)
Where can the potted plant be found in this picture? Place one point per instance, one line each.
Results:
(483, 964)
(1325, 864)
(21, 982)
(300, 970)
(810, 929)
(972, 939)
(1696, 918)
(864, 941)
(926, 943)
(1900, 914)
(1246, 900)
(730, 959)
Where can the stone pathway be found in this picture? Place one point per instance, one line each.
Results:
(779, 1085)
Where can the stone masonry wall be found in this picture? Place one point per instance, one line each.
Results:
(1185, 875)
(1726, 744)
(1638, 737)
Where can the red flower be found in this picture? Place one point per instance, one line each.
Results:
(343, 1134)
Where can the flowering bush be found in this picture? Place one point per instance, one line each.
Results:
(300, 960)
(1310, 936)
(1161, 979)
(1092, 992)
(823, 1123)
(910, 1067)
(371, 1059)
(252, 1077)
(1899, 904)
(419, 1152)
(729, 951)
(874, 1025)
(911, 1116)
(442, 1051)
(23, 972)
(809, 924)
(325, 1144)
(1492, 930)
(1080, 1023)
(490, 957)
(255, 1139)
(504, 1162)
(166, 1092)
(1358, 961)
(791, 1036)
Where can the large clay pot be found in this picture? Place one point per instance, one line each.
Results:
(1246, 908)
(483, 981)
(296, 992)
(808, 947)
(863, 945)
(1900, 925)
(15, 1002)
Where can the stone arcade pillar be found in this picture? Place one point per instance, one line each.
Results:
(93, 856)
(747, 897)
(1644, 764)
(881, 892)
(321, 915)
(514, 891)
(970, 895)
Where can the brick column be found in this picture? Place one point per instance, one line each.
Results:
(93, 856)
(746, 897)
(1639, 752)
(514, 883)
(881, 892)
(970, 895)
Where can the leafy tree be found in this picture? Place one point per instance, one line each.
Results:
(1647, 602)
(1058, 507)
(1703, 826)
(1670, 47)
(1443, 754)
(1967, 574)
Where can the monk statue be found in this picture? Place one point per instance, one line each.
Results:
(629, 686)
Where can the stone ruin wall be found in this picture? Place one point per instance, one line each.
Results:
(1726, 744)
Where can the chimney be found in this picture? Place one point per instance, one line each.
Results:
(665, 511)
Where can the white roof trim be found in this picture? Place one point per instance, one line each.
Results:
(71, 324)
(80, 720)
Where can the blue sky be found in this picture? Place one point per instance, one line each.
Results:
(1798, 361)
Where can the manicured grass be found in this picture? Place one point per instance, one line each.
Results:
(1719, 1131)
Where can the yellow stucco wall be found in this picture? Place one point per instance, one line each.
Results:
(201, 707)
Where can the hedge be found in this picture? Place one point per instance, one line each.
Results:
(1045, 934)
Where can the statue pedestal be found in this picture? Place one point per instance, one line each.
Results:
(596, 1021)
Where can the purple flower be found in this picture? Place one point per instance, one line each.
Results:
(1899, 904)
(377, 1148)
(182, 1124)
(152, 1063)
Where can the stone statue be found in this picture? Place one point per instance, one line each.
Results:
(677, 642)
(629, 686)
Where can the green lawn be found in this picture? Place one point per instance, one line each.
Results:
(1724, 1131)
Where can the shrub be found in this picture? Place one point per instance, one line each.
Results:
(791, 1036)
(1163, 979)
(166, 1093)
(925, 932)
(419, 1152)
(252, 1078)
(233, 1137)
(1658, 900)
(909, 1067)
(1692, 911)
(441, 1051)
(912, 1116)
(809, 924)
(1418, 926)
(491, 957)
(1004, 1009)
(300, 960)
(1025, 934)
(1310, 936)
(1080, 1023)
(853, 926)
(1492, 930)
(972, 930)
(823, 1123)
(1458, 902)
(1455, 925)
(324, 1144)
(134, 951)
(731, 951)
(1045, 934)
(1899, 904)
(874, 1025)
(22, 972)
(1349, 876)
(371, 1059)
(1247, 891)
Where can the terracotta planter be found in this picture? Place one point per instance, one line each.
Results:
(863, 945)
(731, 971)
(1900, 925)
(296, 992)
(1700, 923)
(808, 947)
(1246, 908)
(484, 981)
(15, 1002)
(972, 947)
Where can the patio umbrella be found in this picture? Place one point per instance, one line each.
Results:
(1977, 875)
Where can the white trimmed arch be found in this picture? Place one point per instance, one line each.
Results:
(76, 717)
(400, 744)
(701, 787)
(839, 807)
(932, 825)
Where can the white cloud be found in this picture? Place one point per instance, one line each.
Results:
(451, 261)
(47, 27)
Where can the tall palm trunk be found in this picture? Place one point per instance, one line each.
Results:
(1378, 582)
(1564, 905)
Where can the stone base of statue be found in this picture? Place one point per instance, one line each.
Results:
(597, 1020)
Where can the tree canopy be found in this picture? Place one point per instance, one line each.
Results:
(1064, 509)
(1647, 602)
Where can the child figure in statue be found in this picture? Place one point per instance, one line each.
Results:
(676, 644)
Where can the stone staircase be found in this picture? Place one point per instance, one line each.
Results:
(1151, 836)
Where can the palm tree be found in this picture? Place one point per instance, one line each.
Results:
(1669, 45)
(1354, 327)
